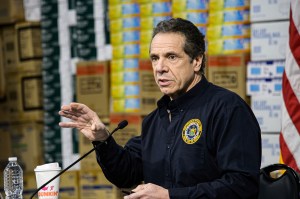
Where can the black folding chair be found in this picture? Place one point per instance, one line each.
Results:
(286, 185)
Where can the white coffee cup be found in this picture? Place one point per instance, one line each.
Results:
(43, 173)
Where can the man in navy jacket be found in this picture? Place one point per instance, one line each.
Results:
(202, 141)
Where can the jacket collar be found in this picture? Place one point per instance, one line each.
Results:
(184, 100)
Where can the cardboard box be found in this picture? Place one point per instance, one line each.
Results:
(189, 5)
(6, 148)
(94, 185)
(266, 10)
(267, 110)
(126, 105)
(4, 108)
(92, 86)
(11, 11)
(27, 144)
(266, 87)
(263, 70)
(22, 43)
(150, 92)
(122, 65)
(227, 46)
(29, 183)
(29, 41)
(90, 161)
(25, 94)
(125, 90)
(270, 149)
(229, 16)
(69, 185)
(9, 47)
(2, 74)
(229, 71)
(269, 40)
(2, 183)
(133, 129)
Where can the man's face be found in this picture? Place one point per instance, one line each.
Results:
(174, 71)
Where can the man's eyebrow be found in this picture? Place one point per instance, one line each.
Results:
(165, 54)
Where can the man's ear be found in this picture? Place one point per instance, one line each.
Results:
(197, 63)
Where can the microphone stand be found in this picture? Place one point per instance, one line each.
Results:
(121, 125)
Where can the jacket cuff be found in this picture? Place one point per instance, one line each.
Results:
(102, 145)
(178, 193)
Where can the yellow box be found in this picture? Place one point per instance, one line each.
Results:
(124, 65)
(216, 5)
(125, 37)
(94, 185)
(234, 16)
(146, 36)
(148, 23)
(161, 8)
(189, 5)
(228, 46)
(125, 90)
(126, 105)
(123, 77)
(144, 51)
(124, 9)
(124, 24)
(225, 31)
(126, 51)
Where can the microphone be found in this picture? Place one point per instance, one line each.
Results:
(121, 125)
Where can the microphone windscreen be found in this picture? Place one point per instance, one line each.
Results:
(122, 124)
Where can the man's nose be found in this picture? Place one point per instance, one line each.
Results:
(161, 65)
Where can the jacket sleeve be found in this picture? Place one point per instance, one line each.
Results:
(121, 166)
(235, 142)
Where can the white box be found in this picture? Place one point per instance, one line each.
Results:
(269, 40)
(266, 87)
(32, 13)
(65, 52)
(31, 3)
(263, 69)
(270, 149)
(267, 110)
(266, 10)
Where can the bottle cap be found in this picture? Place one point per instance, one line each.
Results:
(12, 159)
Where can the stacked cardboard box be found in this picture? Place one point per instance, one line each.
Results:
(269, 33)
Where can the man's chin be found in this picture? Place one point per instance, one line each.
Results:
(166, 91)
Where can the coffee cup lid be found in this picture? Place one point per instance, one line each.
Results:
(47, 167)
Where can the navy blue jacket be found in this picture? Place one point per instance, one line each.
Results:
(211, 148)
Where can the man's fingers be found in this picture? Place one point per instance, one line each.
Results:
(67, 124)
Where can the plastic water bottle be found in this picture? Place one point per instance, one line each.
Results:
(13, 179)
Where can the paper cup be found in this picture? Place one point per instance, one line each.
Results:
(43, 173)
